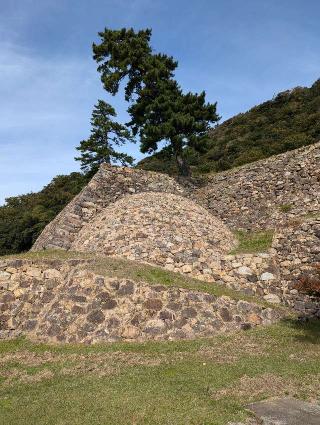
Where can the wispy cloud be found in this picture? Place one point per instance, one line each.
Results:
(241, 53)
(45, 111)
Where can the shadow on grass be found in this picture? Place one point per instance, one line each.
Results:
(306, 330)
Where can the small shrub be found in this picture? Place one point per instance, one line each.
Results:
(285, 208)
(310, 283)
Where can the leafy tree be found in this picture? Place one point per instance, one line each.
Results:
(22, 218)
(159, 110)
(105, 134)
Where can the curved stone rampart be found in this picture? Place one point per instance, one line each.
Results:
(278, 192)
(166, 230)
(264, 194)
(107, 186)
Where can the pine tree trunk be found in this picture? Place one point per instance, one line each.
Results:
(183, 167)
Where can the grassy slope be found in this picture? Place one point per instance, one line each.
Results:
(186, 382)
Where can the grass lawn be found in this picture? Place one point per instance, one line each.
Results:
(177, 383)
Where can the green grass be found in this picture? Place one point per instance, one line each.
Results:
(285, 208)
(157, 383)
(314, 215)
(49, 254)
(139, 272)
(253, 242)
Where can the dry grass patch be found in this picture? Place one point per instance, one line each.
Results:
(206, 381)
(249, 388)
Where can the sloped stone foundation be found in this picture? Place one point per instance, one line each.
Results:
(63, 301)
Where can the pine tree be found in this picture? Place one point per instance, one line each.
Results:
(105, 134)
(159, 110)
(163, 112)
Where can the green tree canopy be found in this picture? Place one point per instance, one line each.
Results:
(105, 135)
(22, 218)
(159, 109)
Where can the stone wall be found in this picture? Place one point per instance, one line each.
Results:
(167, 230)
(273, 275)
(266, 193)
(150, 217)
(254, 274)
(107, 186)
(63, 301)
(296, 250)
(262, 275)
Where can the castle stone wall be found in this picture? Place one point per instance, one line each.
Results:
(280, 192)
(273, 275)
(166, 230)
(265, 194)
(107, 186)
(63, 301)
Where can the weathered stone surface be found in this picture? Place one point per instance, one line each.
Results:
(272, 298)
(225, 315)
(51, 274)
(4, 276)
(267, 276)
(126, 289)
(277, 192)
(108, 304)
(153, 304)
(189, 312)
(286, 412)
(167, 230)
(250, 197)
(293, 254)
(107, 186)
(297, 246)
(244, 270)
(76, 309)
(96, 317)
(130, 332)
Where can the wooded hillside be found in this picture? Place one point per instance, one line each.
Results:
(288, 121)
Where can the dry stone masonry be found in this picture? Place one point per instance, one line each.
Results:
(266, 193)
(166, 230)
(273, 275)
(107, 186)
(63, 301)
(296, 250)
(183, 227)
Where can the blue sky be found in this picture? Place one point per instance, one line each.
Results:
(241, 52)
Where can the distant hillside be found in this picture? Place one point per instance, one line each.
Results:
(24, 217)
(288, 121)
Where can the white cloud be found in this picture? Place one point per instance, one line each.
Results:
(36, 90)
(44, 113)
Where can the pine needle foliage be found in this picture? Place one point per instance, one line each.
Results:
(105, 135)
(159, 110)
